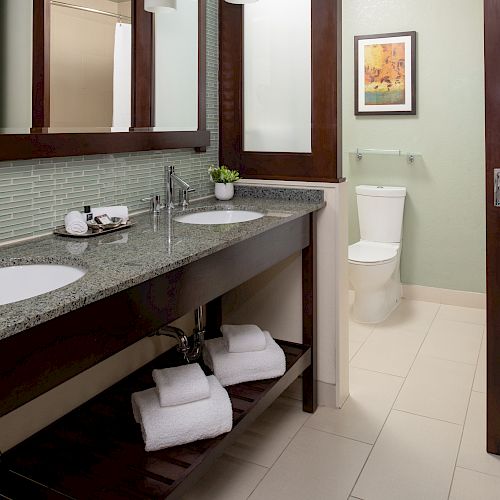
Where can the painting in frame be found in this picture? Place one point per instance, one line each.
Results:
(385, 74)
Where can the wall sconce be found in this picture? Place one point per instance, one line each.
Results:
(156, 6)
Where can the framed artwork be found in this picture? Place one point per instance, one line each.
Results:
(385, 74)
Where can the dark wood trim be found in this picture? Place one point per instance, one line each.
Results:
(413, 36)
(40, 113)
(40, 358)
(142, 67)
(202, 68)
(90, 453)
(324, 163)
(214, 318)
(230, 84)
(492, 87)
(202, 64)
(309, 319)
(27, 146)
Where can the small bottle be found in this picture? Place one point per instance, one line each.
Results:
(87, 213)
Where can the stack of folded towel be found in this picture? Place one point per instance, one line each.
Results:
(185, 406)
(243, 354)
(74, 222)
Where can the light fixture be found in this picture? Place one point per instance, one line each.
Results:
(156, 6)
(241, 2)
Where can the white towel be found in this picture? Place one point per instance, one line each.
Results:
(176, 425)
(236, 367)
(243, 338)
(74, 222)
(181, 384)
(120, 211)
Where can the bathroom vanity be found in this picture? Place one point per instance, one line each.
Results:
(137, 281)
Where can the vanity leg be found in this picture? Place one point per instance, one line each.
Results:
(309, 319)
(214, 318)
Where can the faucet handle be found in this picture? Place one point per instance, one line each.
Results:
(154, 203)
(184, 196)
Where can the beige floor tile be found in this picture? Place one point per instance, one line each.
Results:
(473, 447)
(316, 465)
(437, 388)
(480, 378)
(465, 314)
(413, 458)
(389, 351)
(270, 434)
(412, 315)
(228, 479)
(453, 340)
(359, 332)
(472, 485)
(364, 413)
(354, 347)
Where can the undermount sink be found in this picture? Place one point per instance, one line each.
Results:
(26, 281)
(219, 217)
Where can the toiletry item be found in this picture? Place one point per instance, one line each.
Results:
(181, 384)
(119, 211)
(103, 219)
(88, 213)
(74, 222)
(243, 338)
(236, 367)
(163, 427)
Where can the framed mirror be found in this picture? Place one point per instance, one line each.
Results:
(101, 76)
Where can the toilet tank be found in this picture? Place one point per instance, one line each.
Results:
(380, 212)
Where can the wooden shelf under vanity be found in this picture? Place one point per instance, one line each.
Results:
(96, 451)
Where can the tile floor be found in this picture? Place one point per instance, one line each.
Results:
(413, 427)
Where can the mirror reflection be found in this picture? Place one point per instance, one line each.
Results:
(90, 65)
(176, 67)
(16, 34)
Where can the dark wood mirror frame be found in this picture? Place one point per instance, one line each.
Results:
(41, 144)
(324, 163)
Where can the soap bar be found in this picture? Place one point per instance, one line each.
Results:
(103, 219)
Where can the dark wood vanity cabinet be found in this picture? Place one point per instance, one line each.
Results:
(96, 451)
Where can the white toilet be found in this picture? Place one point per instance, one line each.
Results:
(374, 260)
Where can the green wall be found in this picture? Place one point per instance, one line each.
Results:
(444, 223)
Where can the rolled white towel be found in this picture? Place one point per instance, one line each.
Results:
(74, 222)
(120, 211)
(181, 384)
(167, 426)
(236, 367)
(243, 338)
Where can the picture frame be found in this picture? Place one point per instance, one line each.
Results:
(385, 70)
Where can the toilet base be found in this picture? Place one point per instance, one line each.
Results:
(375, 306)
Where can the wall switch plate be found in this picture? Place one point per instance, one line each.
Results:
(496, 184)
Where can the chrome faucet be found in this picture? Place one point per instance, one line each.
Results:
(170, 178)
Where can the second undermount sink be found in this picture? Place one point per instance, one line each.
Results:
(219, 217)
(26, 281)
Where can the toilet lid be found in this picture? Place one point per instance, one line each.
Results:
(369, 252)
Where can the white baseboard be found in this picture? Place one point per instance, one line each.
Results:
(445, 296)
(327, 393)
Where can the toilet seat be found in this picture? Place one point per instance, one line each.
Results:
(371, 253)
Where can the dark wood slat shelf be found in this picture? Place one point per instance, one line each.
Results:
(97, 452)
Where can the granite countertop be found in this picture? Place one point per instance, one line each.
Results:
(152, 247)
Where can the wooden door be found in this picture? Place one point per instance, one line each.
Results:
(492, 86)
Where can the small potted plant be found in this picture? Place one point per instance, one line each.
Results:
(223, 178)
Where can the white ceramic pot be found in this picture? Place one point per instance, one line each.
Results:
(224, 191)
